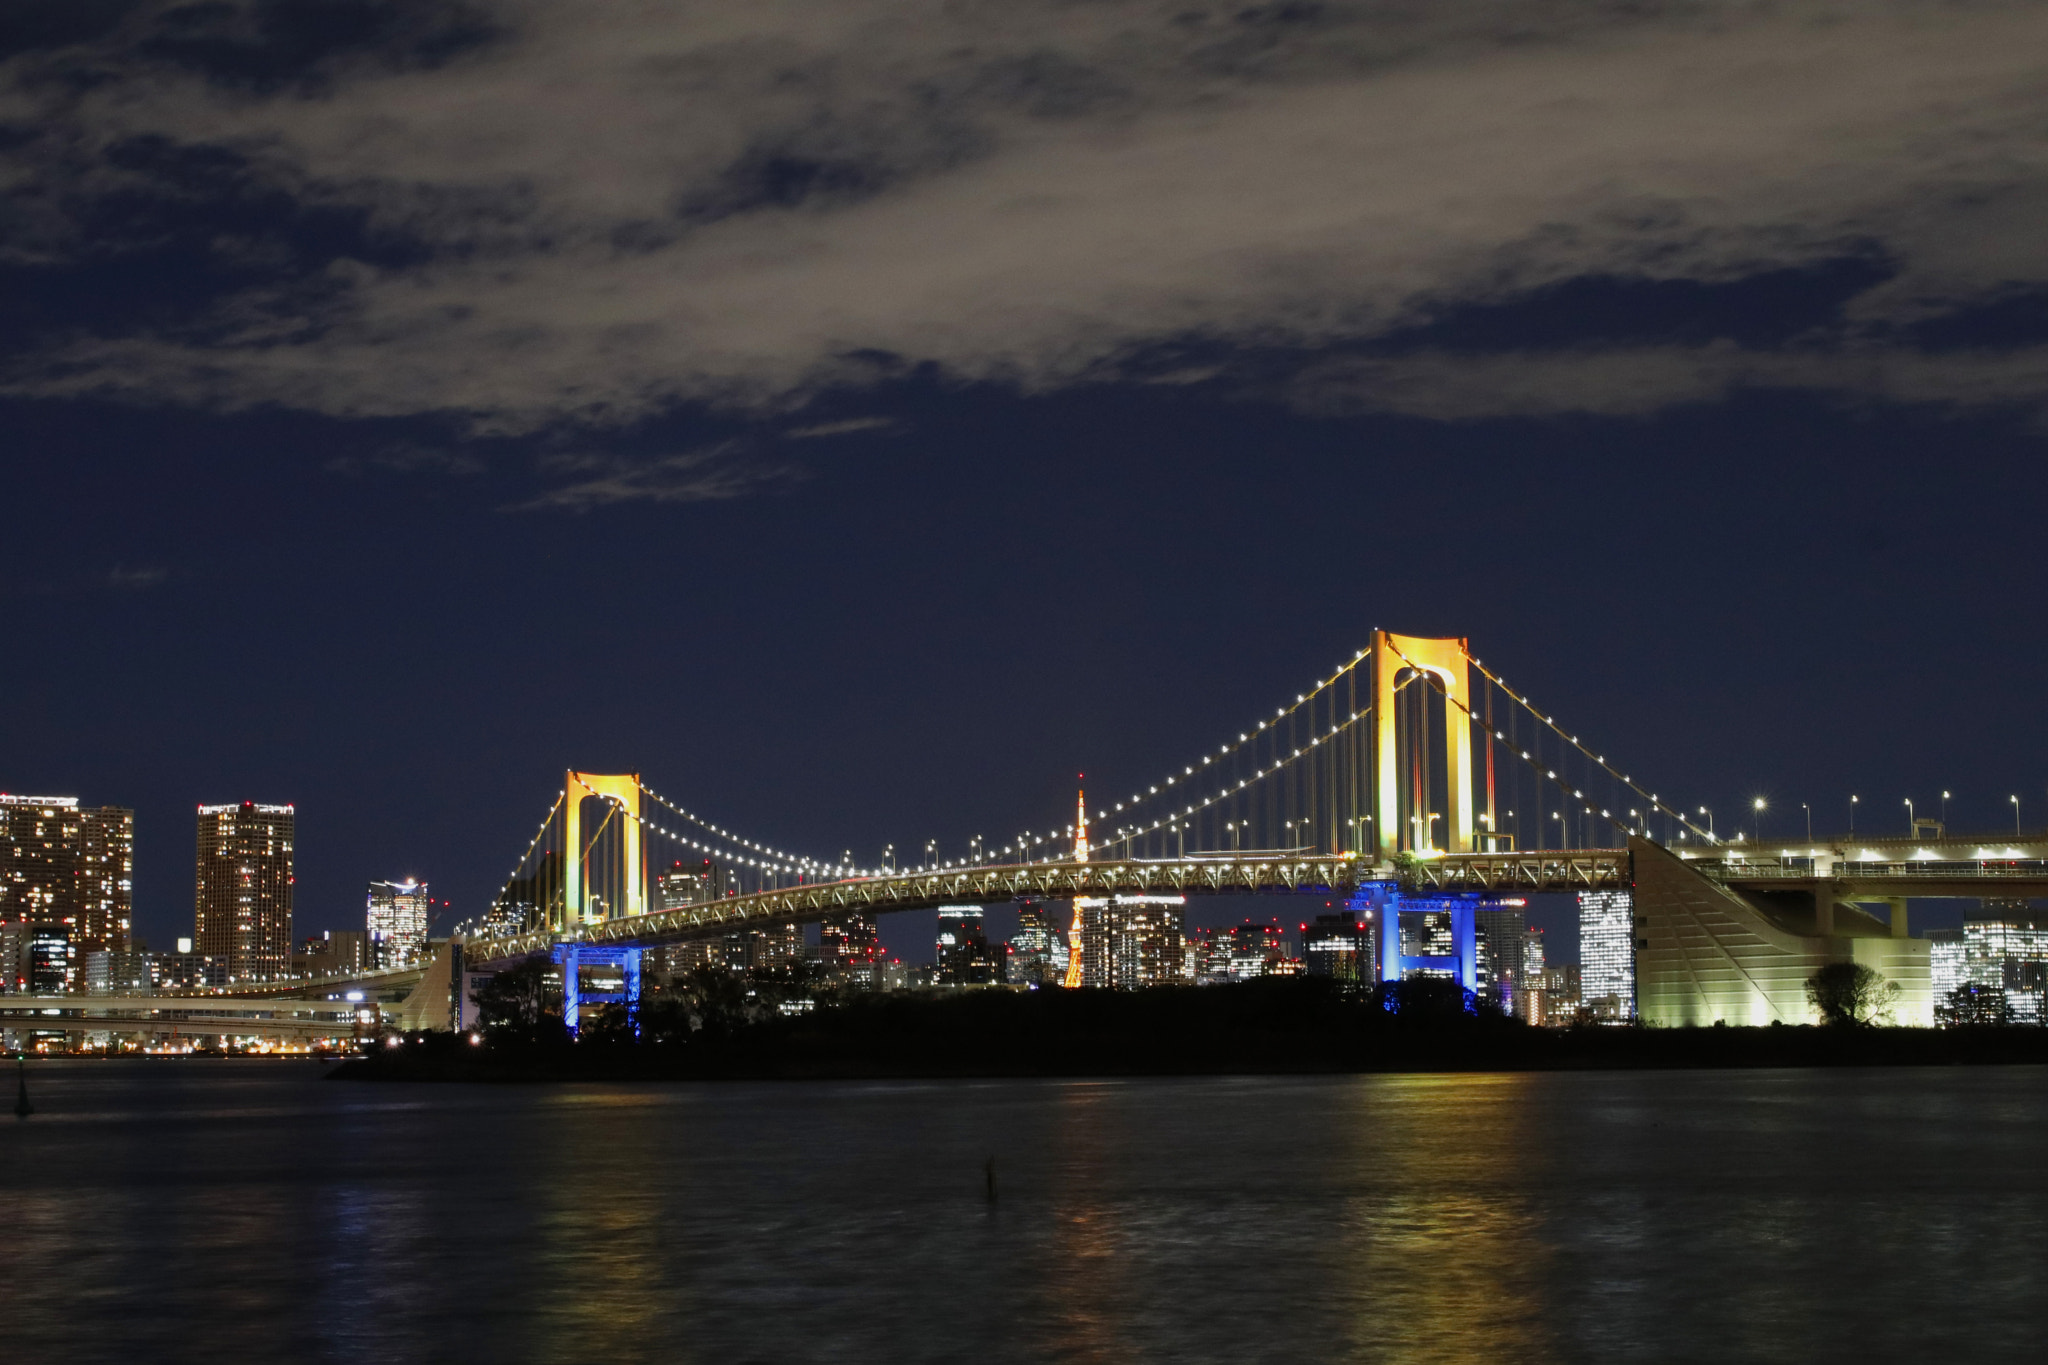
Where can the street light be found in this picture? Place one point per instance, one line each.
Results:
(1809, 820)
(2015, 816)
(1944, 812)
(1852, 813)
(1756, 824)
(1710, 823)
(1911, 827)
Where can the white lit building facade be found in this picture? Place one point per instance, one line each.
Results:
(2004, 946)
(1607, 960)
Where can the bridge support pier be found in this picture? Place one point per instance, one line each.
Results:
(573, 958)
(1461, 963)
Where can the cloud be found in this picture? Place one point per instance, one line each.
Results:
(843, 428)
(712, 474)
(587, 214)
(122, 578)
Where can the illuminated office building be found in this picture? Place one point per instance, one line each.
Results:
(779, 945)
(1038, 950)
(849, 946)
(105, 972)
(242, 912)
(1248, 950)
(2002, 947)
(1607, 958)
(965, 956)
(36, 959)
(1531, 1004)
(684, 884)
(1560, 995)
(1500, 927)
(1338, 946)
(396, 917)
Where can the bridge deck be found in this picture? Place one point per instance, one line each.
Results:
(1209, 874)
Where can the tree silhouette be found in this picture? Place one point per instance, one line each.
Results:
(1851, 994)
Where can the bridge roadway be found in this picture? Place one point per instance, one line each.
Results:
(195, 1016)
(1880, 869)
(1196, 874)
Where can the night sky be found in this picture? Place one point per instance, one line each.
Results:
(861, 417)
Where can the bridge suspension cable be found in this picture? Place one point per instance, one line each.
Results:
(1598, 759)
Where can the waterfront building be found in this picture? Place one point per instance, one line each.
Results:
(1607, 978)
(965, 956)
(1338, 946)
(396, 916)
(243, 894)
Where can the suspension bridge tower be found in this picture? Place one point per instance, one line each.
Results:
(622, 872)
(1443, 664)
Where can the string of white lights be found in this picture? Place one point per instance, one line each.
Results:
(1246, 737)
(531, 845)
(1315, 741)
(1563, 785)
(1573, 740)
(792, 859)
(766, 865)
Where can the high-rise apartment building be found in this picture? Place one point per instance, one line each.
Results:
(71, 868)
(106, 880)
(1132, 941)
(396, 916)
(242, 914)
(41, 839)
(1607, 954)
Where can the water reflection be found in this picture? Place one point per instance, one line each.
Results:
(1444, 1249)
(189, 1213)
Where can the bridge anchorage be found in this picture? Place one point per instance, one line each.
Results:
(1412, 780)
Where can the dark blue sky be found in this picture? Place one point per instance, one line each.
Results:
(304, 502)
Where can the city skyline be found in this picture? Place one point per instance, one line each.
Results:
(881, 585)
